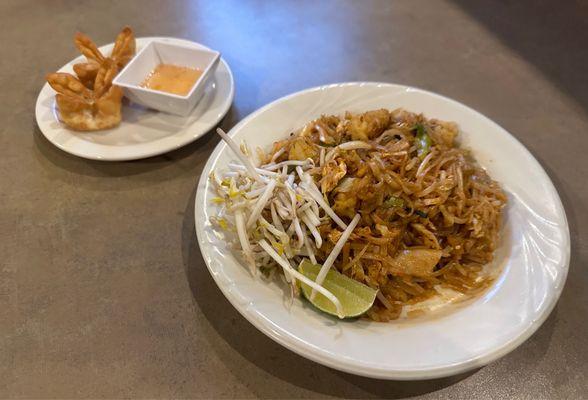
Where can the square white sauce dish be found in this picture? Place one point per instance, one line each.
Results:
(168, 77)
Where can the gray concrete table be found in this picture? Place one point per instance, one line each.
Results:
(103, 291)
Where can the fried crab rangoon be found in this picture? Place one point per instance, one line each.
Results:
(122, 52)
(88, 110)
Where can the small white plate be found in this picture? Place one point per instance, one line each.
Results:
(534, 251)
(143, 132)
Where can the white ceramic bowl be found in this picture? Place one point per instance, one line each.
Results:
(534, 251)
(159, 52)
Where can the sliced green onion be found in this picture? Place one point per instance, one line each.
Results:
(421, 213)
(423, 141)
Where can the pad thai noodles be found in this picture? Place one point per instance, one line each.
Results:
(387, 198)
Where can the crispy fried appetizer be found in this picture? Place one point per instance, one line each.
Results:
(124, 47)
(122, 52)
(86, 72)
(88, 110)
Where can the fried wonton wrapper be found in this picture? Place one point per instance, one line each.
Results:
(122, 52)
(86, 72)
(124, 47)
(83, 109)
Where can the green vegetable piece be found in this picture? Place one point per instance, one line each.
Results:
(423, 141)
(355, 297)
(393, 202)
(421, 213)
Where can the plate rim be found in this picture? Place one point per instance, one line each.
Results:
(226, 105)
(359, 368)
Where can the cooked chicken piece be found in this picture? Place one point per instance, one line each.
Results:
(332, 172)
(404, 119)
(301, 149)
(443, 132)
(414, 262)
(345, 204)
(368, 125)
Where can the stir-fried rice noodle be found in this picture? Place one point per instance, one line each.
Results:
(427, 215)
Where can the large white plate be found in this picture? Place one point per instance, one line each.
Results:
(142, 132)
(534, 251)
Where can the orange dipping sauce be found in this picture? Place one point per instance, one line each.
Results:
(172, 79)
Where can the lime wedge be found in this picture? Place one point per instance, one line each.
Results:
(355, 297)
